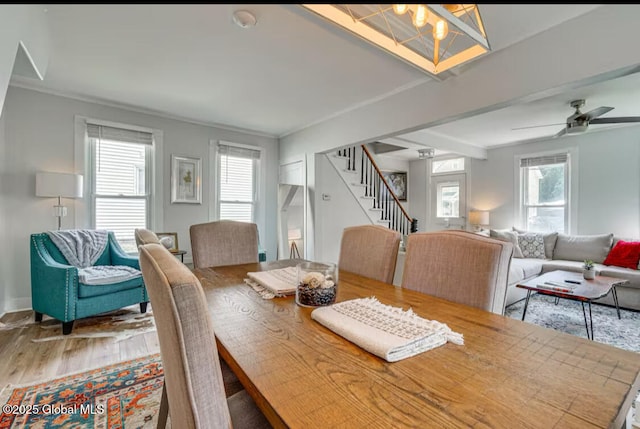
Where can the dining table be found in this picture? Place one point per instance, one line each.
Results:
(507, 374)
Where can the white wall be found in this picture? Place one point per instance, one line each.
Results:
(24, 24)
(332, 216)
(419, 192)
(39, 132)
(608, 174)
(3, 216)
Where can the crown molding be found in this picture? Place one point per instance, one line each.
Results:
(23, 83)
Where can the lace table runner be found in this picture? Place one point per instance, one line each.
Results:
(388, 332)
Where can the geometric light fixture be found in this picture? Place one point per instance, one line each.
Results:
(432, 37)
(427, 153)
(59, 185)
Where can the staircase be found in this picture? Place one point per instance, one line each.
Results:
(358, 169)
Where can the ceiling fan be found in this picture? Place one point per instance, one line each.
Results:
(579, 122)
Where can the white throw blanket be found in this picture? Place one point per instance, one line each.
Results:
(107, 274)
(278, 282)
(81, 247)
(388, 332)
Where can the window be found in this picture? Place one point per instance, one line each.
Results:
(237, 182)
(120, 181)
(544, 185)
(447, 165)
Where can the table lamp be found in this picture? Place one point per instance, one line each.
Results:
(478, 219)
(60, 185)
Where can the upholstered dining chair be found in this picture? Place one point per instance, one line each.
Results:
(370, 251)
(223, 242)
(459, 266)
(193, 394)
(144, 236)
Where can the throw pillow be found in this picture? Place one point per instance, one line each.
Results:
(532, 245)
(509, 236)
(625, 254)
(549, 239)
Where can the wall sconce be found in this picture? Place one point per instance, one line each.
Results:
(60, 185)
(478, 219)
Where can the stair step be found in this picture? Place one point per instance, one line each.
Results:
(367, 197)
(383, 221)
(350, 171)
(359, 184)
(341, 156)
(373, 209)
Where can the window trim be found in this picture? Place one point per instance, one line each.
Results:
(571, 186)
(261, 180)
(82, 156)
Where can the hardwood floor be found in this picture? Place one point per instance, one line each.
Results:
(24, 361)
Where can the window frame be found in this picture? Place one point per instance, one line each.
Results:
(146, 196)
(84, 218)
(570, 185)
(259, 179)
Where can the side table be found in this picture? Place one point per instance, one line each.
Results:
(180, 253)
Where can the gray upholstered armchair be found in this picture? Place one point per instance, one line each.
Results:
(66, 292)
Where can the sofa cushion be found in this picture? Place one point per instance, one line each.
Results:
(561, 264)
(549, 239)
(532, 245)
(583, 247)
(624, 254)
(509, 236)
(623, 273)
(523, 268)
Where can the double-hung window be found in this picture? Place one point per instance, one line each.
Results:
(544, 192)
(238, 172)
(120, 181)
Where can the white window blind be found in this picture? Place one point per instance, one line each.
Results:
(121, 195)
(237, 181)
(544, 192)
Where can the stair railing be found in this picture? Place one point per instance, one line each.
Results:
(378, 190)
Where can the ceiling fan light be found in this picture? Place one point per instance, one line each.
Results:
(420, 16)
(441, 29)
(400, 9)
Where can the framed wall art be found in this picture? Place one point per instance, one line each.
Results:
(397, 181)
(186, 180)
(169, 240)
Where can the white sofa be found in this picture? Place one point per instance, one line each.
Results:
(568, 252)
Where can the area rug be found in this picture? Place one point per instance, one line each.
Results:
(119, 325)
(123, 395)
(566, 316)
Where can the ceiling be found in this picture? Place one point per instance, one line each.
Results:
(292, 70)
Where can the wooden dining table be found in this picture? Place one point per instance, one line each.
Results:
(508, 373)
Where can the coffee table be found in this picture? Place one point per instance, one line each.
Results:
(571, 285)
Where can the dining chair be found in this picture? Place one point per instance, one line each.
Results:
(223, 242)
(193, 394)
(370, 251)
(145, 236)
(459, 266)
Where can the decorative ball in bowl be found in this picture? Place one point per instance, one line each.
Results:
(317, 284)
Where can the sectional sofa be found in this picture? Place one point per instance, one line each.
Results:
(568, 252)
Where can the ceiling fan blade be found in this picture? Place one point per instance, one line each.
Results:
(560, 133)
(537, 126)
(620, 120)
(591, 114)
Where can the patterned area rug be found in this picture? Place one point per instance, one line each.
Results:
(123, 395)
(119, 325)
(566, 316)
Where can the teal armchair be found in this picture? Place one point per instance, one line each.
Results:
(57, 291)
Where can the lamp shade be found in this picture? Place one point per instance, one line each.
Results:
(58, 185)
(479, 218)
(295, 234)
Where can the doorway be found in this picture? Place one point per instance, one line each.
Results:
(448, 206)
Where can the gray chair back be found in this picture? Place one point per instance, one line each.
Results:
(459, 266)
(193, 378)
(223, 242)
(370, 251)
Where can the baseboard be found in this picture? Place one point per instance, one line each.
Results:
(17, 304)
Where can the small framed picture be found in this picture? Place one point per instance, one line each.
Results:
(397, 181)
(169, 240)
(186, 180)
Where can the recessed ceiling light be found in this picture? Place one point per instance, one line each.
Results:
(244, 19)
